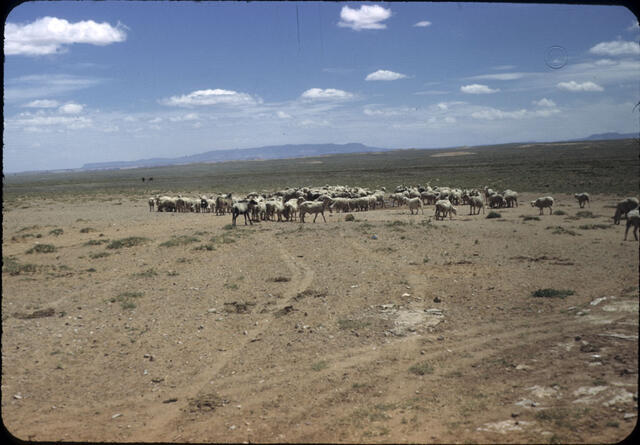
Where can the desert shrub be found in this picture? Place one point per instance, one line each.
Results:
(208, 246)
(13, 267)
(349, 217)
(131, 241)
(559, 230)
(179, 241)
(346, 324)
(319, 366)
(594, 226)
(97, 255)
(421, 368)
(559, 212)
(551, 293)
(56, 232)
(96, 242)
(146, 273)
(42, 248)
(530, 218)
(87, 230)
(585, 214)
(126, 299)
(494, 214)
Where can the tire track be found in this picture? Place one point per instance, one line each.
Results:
(162, 420)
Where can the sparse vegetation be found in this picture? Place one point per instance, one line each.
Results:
(180, 241)
(42, 248)
(559, 212)
(349, 217)
(95, 256)
(146, 273)
(13, 267)
(56, 232)
(347, 324)
(530, 218)
(594, 226)
(559, 230)
(493, 214)
(319, 366)
(421, 368)
(131, 241)
(551, 293)
(126, 299)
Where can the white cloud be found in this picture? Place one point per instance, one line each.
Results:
(51, 35)
(185, 117)
(499, 76)
(616, 48)
(283, 115)
(477, 89)
(45, 85)
(326, 94)
(42, 103)
(384, 75)
(210, 97)
(40, 122)
(423, 24)
(367, 17)
(544, 102)
(491, 114)
(71, 108)
(575, 86)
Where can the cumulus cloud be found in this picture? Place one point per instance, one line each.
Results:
(423, 24)
(544, 102)
(367, 17)
(384, 75)
(496, 114)
(210, 97)
(42, 103)
(283, 115)
(477, 89)
(576, 87)
(51, 35)
(616, 48)
(185, 117)
(326, 94)
(71, 108)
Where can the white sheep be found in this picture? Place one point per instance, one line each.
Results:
(316, 207)
(633, 219)
(444, 208)
(582, 199)
(414, 204)
(152, 203)
(542, 203)
(475, 202)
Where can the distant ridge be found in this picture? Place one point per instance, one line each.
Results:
(259, 153)
(607, 136)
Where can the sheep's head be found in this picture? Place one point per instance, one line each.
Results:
(533, 203)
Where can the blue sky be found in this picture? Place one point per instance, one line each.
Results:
(116, 81)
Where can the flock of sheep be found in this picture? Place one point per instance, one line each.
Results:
(294, 203)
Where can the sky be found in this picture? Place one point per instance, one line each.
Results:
(89, 81)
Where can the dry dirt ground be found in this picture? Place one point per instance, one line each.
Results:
(390, 328)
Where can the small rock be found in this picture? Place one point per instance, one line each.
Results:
(406, 295)
(440, 337)
(515, 414)
(115, 416)
(374, 236)
(437, 300)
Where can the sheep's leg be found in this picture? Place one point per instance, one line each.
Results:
(314, 218)
(322, 213)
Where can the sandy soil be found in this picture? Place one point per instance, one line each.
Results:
(391, 328)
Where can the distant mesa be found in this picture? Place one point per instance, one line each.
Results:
(246, 154)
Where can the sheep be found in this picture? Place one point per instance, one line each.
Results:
(428, 197)
(312, 207)
(340, 204)
(497, 201)
(510, 198)
(444, 207)
(475, 202)
(166, 204)
(224, 204)
(243, 207)
(633, 219)
(152, 203)
(624, 207)
(542, 203)
(582, 199)
(291, 209)
(414, 204)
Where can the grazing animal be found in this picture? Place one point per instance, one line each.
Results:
(542, 203)
(475, 202)
(583, 198)
(633, 219)
(243, 207)
(623, 208)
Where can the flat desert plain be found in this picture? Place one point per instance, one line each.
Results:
(131, 325)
